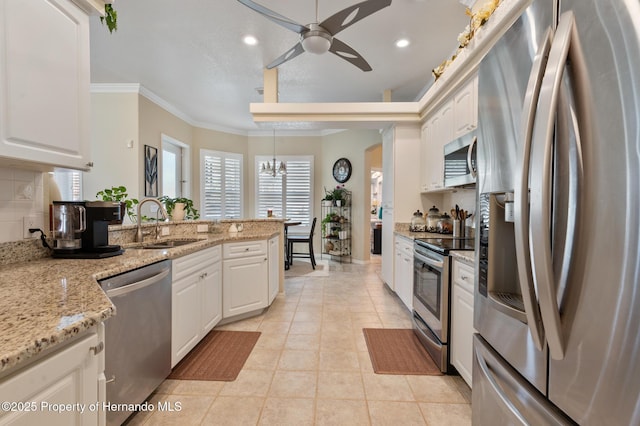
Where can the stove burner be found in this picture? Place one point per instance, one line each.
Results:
(445, 245)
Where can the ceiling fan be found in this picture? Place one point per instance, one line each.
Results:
(320, 38)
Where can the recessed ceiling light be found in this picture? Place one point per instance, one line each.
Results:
(250, 40)
(403, 42)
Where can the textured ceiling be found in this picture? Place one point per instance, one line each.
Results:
(190, 53)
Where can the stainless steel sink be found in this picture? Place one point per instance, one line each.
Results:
(169, 243)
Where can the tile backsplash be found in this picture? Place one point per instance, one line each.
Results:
(21, 195)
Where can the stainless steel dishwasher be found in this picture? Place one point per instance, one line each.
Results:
(138, 337)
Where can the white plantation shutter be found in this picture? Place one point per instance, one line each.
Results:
(298, 192)
(289, 196)
(270, 194)
(221, 185)
(232, 200)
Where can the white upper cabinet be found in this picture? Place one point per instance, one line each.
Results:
(44, 83)
(456, 117)
(435, 134)
(465, 104)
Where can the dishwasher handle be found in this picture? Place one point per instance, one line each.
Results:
(139, 284)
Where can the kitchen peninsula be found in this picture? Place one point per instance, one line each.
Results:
(49, 305)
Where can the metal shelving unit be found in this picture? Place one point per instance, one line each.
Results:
(336, 230)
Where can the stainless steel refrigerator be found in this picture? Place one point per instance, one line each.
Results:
(557, 303)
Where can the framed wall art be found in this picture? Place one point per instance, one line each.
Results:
(150, 171)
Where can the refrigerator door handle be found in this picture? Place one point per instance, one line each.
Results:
(541, 185)
(488, 374)
(521, 196)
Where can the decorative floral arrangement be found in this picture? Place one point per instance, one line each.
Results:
(476, 20)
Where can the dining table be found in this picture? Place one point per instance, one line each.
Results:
(287, 224)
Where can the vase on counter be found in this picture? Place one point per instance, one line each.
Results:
(178, 211)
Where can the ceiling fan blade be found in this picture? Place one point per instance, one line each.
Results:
(275, 17)
(352, 14)
(348, 54)
(288, 55)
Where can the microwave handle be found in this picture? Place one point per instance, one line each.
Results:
(470, 166)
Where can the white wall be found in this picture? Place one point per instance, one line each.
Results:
(353, 145)
(114, 124)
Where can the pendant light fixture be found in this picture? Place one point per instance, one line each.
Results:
(272, 170)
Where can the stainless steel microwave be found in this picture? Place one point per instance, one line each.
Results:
(460, 161)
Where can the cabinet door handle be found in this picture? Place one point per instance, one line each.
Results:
(464, 277)
(89, 164)
(97, 348)
(111, 380)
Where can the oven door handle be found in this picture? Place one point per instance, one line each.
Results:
(429, 261)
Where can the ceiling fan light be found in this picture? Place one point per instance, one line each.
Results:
(316, 44)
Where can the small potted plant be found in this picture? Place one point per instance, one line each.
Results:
(338, 195)
(119, 194)
(327, 201)
(179, 208)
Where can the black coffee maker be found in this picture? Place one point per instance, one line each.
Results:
(88, 220)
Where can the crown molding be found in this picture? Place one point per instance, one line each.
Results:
(162, 103)
(337, 125)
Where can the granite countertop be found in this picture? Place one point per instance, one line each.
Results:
(466, 256)
(48, 301)
(414, 235)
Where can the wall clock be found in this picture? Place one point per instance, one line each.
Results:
(342, 170)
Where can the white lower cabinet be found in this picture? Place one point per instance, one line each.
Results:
(69, 375)
(246, 277)
(220, 282)
(462, 319)
(196, 299)
(403, 271)
(275, 248)
(212, 296)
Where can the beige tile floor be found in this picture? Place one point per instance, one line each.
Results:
(311, 365)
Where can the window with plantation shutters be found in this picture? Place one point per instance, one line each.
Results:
(289, 196)
(220, 185)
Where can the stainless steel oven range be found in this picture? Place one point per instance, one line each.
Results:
(431, 294)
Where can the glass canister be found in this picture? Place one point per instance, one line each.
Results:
(445, 224)
(433, 216)
(418, 223)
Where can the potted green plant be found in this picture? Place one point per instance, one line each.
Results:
(175, 207)
(119, 194)
(327, 201)
(338, 195)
